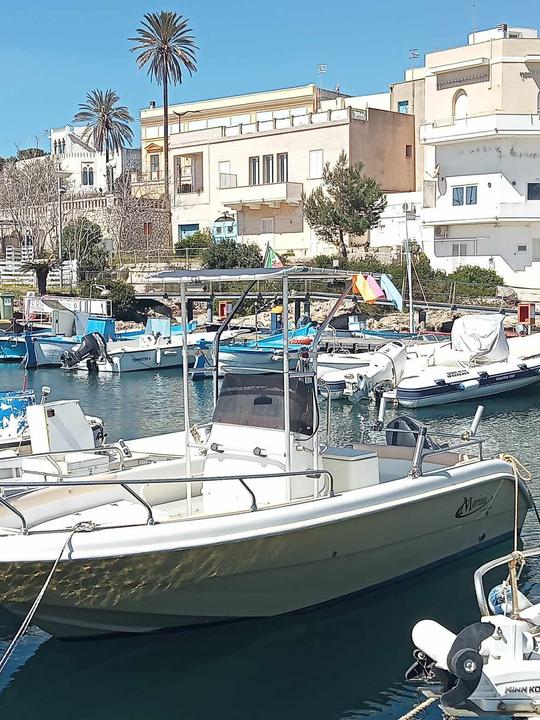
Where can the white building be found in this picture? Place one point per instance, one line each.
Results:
(477, 119)
(76, 155)
(254, 155)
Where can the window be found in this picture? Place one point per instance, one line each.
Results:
(268, 169)
(282, 167)
(460, 249)
(460, 105)
(189, 173)
(408, 151)
(403, 107)
(185, 231)
(522, 248)
(536, 250)
(470, 194)
(87, 175)
(154, 167)
(467, 193)
(267, 225)
(533, 191)
(147, 229)
(316, 161)
(254, 171)
(457, 195)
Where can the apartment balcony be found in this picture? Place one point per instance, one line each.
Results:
(505, 212)
(258, 196)
(152, 177)
(472, 127)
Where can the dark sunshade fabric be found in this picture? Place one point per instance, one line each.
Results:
(256, 400)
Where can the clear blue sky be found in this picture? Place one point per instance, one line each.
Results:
(53, 51)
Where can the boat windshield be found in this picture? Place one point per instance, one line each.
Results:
(256, 400)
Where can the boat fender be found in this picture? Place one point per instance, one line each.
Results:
(469, 384)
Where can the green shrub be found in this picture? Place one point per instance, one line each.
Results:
(231, 254)
(475, 274)
(198, 239)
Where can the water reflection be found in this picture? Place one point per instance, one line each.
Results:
(343, 661)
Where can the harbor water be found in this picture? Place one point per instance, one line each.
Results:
(340, 662)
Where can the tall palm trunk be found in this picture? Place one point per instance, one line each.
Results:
(166, 154)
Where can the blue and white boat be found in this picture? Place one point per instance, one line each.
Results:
(15, 432)
(13, 346)
(267, 352)
(47, 351)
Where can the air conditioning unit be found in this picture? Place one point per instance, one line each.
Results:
(441, 231)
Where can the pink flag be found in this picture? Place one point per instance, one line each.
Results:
(375, 287)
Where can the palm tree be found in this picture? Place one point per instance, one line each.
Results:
(108, 124)
(167, 46)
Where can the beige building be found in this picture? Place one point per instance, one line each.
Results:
(253, 156)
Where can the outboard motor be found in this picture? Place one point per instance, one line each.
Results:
(403, 432)
(92, 348)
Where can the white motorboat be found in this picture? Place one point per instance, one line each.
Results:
(480, 361)
(151, 351)
(491, 667)
(248, 516)
(17, 411)
(360, 374)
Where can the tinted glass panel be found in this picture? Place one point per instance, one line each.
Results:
(533, 191)
(257, 400)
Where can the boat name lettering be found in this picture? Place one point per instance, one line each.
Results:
(457, 373)
(471, 505)
(518, 689)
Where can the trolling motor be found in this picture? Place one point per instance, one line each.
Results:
(92, 348)
(491, 667)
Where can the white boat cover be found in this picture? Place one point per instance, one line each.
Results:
(481, 338)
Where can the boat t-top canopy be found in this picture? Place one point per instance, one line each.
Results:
(296, 272)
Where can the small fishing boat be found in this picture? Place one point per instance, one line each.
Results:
(266, 352)
(491, 667)
(17, 408)
(158, 348)
(250, 515)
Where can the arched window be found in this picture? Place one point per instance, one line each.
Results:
(90, 175)
(55, 146)
(460, 105)
(84, 175)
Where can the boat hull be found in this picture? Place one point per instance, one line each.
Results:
(423, 397)
(263, 576)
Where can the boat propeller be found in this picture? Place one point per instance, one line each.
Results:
(465, 663)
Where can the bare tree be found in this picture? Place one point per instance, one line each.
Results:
(135, 218)
(28, 191)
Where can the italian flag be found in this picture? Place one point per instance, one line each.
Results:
(271, 258)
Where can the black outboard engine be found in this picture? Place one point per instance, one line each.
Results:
(92, 348)
(403, 432)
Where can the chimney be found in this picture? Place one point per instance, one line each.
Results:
(503, 27)
(152, 104)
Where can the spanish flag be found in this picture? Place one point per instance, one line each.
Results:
(368, 288)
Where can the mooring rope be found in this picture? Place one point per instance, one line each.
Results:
(418, 709)
(520, 473)
(83, 526)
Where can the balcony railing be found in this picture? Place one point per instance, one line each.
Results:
(137, 176)
(481, 125)
(228, 180)
(288, 193)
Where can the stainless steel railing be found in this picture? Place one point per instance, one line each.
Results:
(310, 473)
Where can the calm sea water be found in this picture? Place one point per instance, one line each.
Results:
(340, 662)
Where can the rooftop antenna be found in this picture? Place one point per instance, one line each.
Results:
(413, 57)
(321, 70)
(474, 23)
